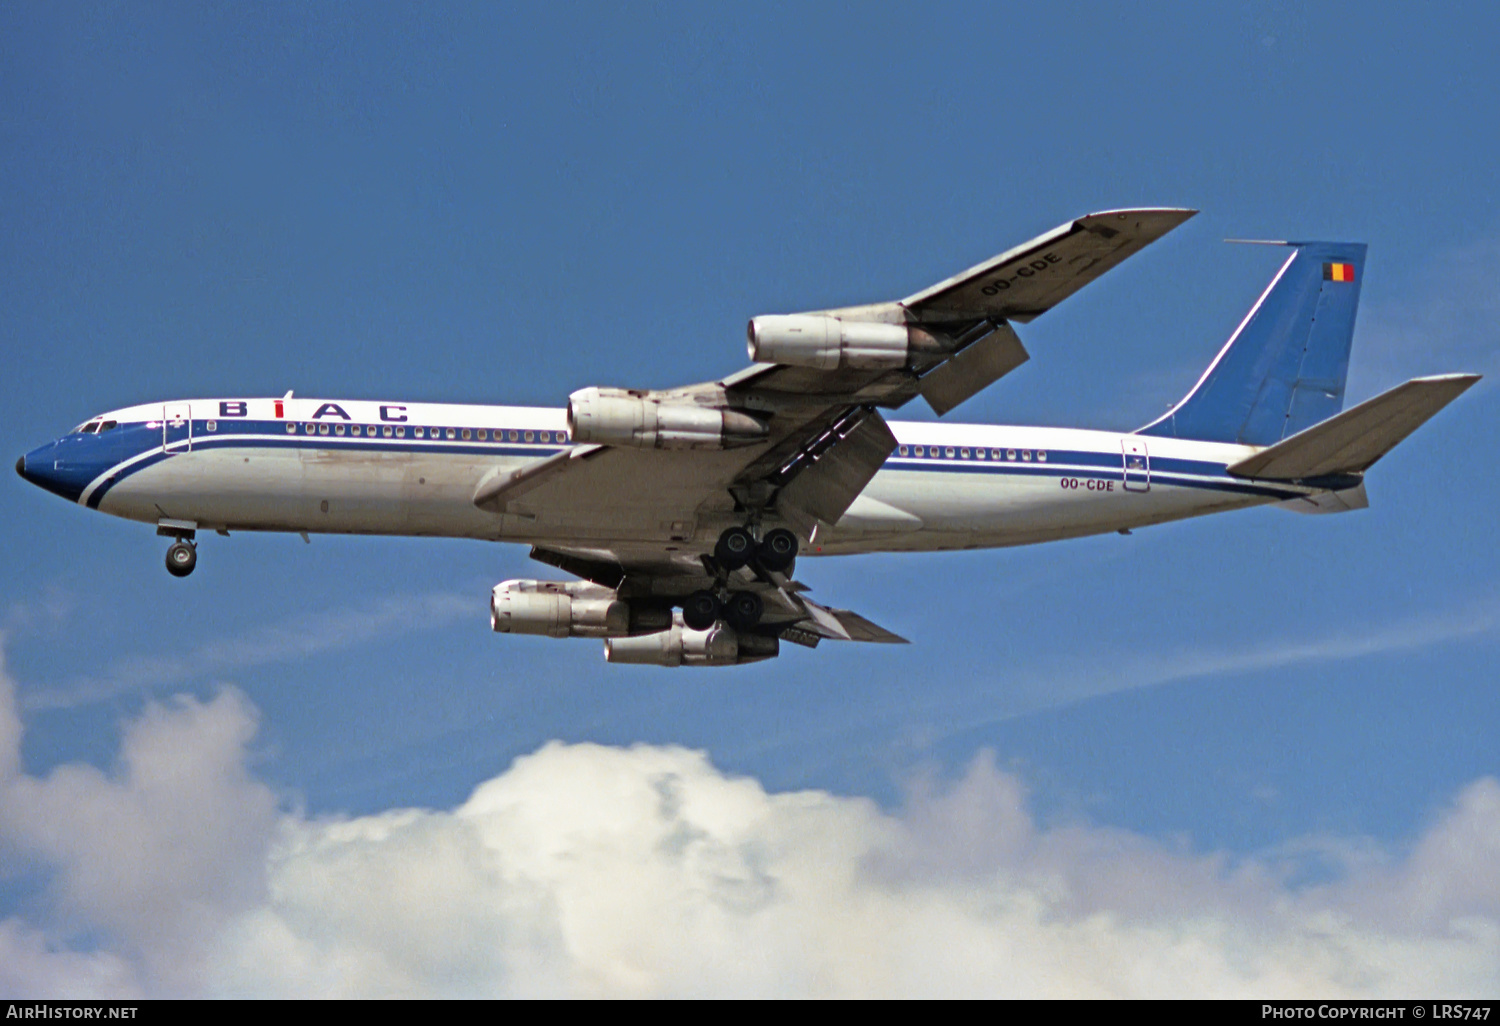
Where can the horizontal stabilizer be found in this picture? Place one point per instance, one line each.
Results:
(1345, 501)
(1351, 441)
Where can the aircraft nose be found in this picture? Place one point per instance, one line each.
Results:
(42, 468)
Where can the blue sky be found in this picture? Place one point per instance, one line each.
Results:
(469, 203)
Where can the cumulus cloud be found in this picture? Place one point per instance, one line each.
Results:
(152, 857)
(646, 871)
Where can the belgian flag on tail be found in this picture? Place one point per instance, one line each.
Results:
(1338, 272)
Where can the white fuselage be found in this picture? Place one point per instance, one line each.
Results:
(359, 467)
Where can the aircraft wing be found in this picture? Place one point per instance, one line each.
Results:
(811, 435)
(1031, 279)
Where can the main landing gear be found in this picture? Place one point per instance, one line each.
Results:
(741, 610)
(736, 548)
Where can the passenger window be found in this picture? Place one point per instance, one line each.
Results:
(562, 436)
(1041, 454)
(964, 453)
(948, 452)
(311, 428)
(994, 454)
(468, 434)
(483, 435)
(530, 436)
(417, 433)
(322, 429)
(902, 450)
(979, 454)
(1010, 454)
(386, 431)
(400, 431)
(212, 425)
(451, 434)
(291, 429)
(338, 429)
(1026, 454)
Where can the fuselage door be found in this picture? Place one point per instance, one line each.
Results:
(1137, 463)
(176, 427)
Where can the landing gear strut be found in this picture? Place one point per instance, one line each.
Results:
(181, 558)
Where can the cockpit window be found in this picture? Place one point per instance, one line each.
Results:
(89, 428)
(108, 425)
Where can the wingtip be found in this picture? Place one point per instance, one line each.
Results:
(1179, 214)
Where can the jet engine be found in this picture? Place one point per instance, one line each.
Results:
(558, 609)
(613, 416)
(827, 343)
(720, 645)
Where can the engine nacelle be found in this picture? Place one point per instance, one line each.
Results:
(558, 609)
(720, 645)
(611, 416)
(827, 343)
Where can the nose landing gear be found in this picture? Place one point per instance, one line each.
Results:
(182, 556)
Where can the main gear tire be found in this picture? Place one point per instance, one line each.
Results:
(777, 550)
(743, 610)
(735, 548)
(701, 610)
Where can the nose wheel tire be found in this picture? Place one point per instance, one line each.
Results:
(181, 558)
(700, 610)
(735, 548)
(743, 610)
(777, 550)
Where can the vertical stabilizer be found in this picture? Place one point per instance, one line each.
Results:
(1283, 369)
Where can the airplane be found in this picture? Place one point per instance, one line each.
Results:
(680, 513)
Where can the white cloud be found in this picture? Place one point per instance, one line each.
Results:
(155, 855)
(645, 871)
(32, 966)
